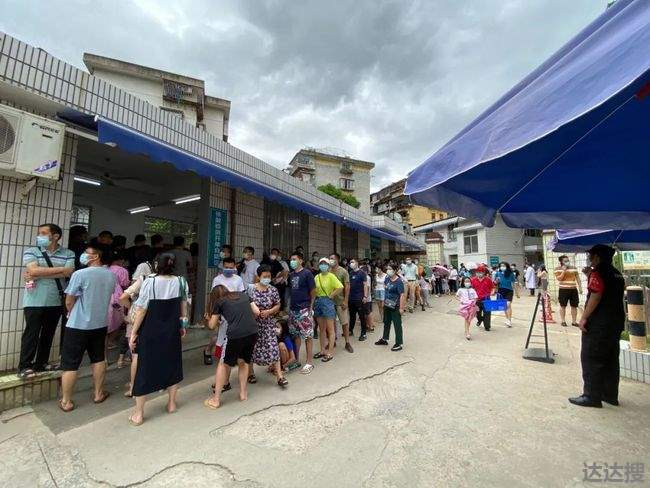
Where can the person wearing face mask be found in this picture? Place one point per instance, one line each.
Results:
(530, 277)
(266, 351)
(468, 298)
(248, 266)
(505, 280)
(302, 288)
(394, 302)
(225, 252)
(517, 274)
(87, 299)
(570, 289)
(327, 288)
(410, 272)
(359, 293)
(601, 324)
(484, 286)
(342, 300)
(46, 266)
(233, 282)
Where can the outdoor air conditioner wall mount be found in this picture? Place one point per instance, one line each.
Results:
(30, 146)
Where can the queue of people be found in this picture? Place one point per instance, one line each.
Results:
(263, 313)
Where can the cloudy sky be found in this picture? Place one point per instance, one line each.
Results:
(385, 81)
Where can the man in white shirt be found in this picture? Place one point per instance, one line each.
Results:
(410, 273)
(249, 273)
(229, 277)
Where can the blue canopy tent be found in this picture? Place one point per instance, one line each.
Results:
(582, 240)
(567, 147)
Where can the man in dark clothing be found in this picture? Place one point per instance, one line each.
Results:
(139, 253)
(601, 323)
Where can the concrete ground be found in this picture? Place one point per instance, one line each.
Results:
(443, 412)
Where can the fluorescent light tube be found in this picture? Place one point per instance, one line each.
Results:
(187, 199)
(88, 181)
(138, 210)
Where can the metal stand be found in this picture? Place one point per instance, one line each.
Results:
(544, 354)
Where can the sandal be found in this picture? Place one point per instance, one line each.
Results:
(307, 369)
(327, 358)
(26, 374)
(134, 423)
(128, 394)
(66, 410)
(294, 365)
(207, 403)
(282, 382)
(105, 395)
(252, 379)
(319, 355)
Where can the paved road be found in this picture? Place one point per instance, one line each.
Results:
(443, 412)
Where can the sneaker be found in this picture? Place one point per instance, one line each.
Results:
(362, 337)
(396, 347)
(381, 342)
(564, 324)
(348, 347)
(508, 323)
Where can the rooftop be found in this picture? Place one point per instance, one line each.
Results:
(333, 157)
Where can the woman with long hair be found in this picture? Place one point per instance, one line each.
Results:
(159, 325)
(240, 313)
(505, 280)
(379, 290)
(394, 303)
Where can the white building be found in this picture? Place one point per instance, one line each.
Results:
(456, 240)
(122, 162)
(172, 93)
(319, 168)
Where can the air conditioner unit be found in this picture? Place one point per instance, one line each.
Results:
(30, 146)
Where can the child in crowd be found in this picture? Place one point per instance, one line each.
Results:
(287, 350)
(467, 297)
(425, 291)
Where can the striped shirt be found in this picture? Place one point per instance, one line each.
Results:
(566, 279)
(46, 293)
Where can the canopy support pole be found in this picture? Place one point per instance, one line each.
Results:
(544, 354)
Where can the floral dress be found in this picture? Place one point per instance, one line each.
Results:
(266, 350)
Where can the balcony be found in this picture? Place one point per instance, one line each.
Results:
(382, 222)
(346, 169)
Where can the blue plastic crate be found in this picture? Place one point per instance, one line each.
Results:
(497, 305)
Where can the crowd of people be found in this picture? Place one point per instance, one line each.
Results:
(265, 313)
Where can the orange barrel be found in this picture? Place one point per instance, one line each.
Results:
(636, 318)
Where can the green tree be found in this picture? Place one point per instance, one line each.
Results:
(337, 193)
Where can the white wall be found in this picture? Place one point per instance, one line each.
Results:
(331, 173)
(213, 120)
(149, 90)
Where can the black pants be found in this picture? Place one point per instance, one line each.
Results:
(482, 316)
(452, 286)
(438, 286)
(356, 307)
(36, 343)
(600, 368)
(282, 288)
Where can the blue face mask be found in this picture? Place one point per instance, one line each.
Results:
(293, 263)
(265, 281)
(324, 268)
(228, 272)
(42, 241)
(84, 259)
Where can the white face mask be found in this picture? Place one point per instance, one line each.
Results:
(502, 268)
(390, 272)
(353, 265)
(468, 284)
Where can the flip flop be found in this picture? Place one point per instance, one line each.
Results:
(134, 423)
(105, 395)
(252, 379)
(128, 394)
(307, 369)
(282, 382)
(327, 358)
(66, 410)
(209, 405)
(319, 355)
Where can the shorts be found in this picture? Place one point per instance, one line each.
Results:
(506, 294)
(324, 307)
(343, 315)
(240, 348)
(301, 323)
(380, 295)
(568, 295)
(77, 341)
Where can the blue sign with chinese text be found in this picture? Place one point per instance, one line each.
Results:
(216, 235)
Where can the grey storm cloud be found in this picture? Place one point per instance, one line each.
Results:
(385, 81)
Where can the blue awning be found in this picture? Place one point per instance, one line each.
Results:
(582, 240)
(565, 148)
(132, 141)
